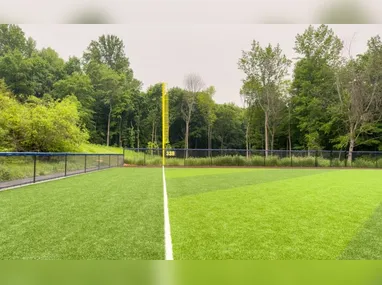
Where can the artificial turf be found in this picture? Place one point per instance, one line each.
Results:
(112, 214)
(215, 213)
(275, 214)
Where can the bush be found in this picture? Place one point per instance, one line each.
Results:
(363, 163)
(175, 162)
(256, 161)
(5, 174)
(338, 163)
(308, 161)
(193, 161)
(323, 162)
(271, 161)
(286, 161)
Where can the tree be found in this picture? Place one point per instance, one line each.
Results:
(79, 85)
(16, 72)
(359, 86)
(193, 85)
(206, 106)
(110, 86)
(108, 50)
(109, 90)
(73, 65)
(12, 38)
(229, 127)
(154, 104)
(265, 69)
(313, 86)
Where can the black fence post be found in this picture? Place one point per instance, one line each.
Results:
(99, 162)
(144, 158)
(109, 160)
(210, 157)
(331, 158)
(85, 161)
(184, 157)
(291, 159)
(66, 163)
(34, 168)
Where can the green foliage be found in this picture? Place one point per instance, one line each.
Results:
(40, 126)
(314, 84)
(322, 108)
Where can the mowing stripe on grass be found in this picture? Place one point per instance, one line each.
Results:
(367, 243)
(167, 229)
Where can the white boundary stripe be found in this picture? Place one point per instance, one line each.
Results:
(167, 230)
(49, 180)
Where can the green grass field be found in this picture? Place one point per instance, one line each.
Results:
(111, 214)
(215, 213)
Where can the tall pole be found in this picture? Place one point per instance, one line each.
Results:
(163, 122)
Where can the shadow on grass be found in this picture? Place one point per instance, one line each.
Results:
(193, 185)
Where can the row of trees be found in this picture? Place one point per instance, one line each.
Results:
(331, 101)
(112, 108)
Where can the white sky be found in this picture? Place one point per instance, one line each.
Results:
(160, 52)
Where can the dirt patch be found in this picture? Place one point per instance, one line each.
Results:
(130, 165)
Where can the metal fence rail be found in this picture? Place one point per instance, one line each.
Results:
(242, 157)
(18, 168)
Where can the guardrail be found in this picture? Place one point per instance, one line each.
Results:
(19, 168)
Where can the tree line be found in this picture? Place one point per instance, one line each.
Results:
(330, 101)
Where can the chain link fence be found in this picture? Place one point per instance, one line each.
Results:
(24, 168)
(240, 157)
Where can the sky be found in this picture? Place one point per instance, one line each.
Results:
(167, 52)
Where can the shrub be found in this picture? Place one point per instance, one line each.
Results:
(308, 161)
(338, 163)
(323, 162)
(175, 162)
(284, 161)
(271, 160)
(5, 174)
(194, 161)
(363, 163)
(256, 161)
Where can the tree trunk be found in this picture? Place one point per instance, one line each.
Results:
(272, 140)
(247, 141)
(138, 142)
(108, 127)
(152, 132)
(266, 134)
(186, 137)
(209, 134)
(120, 132)
(351, 149)
(290, 142)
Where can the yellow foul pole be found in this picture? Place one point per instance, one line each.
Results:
(163, 141)
(164, 112)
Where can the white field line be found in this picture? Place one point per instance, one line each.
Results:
(49, 180)
(167, 230)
